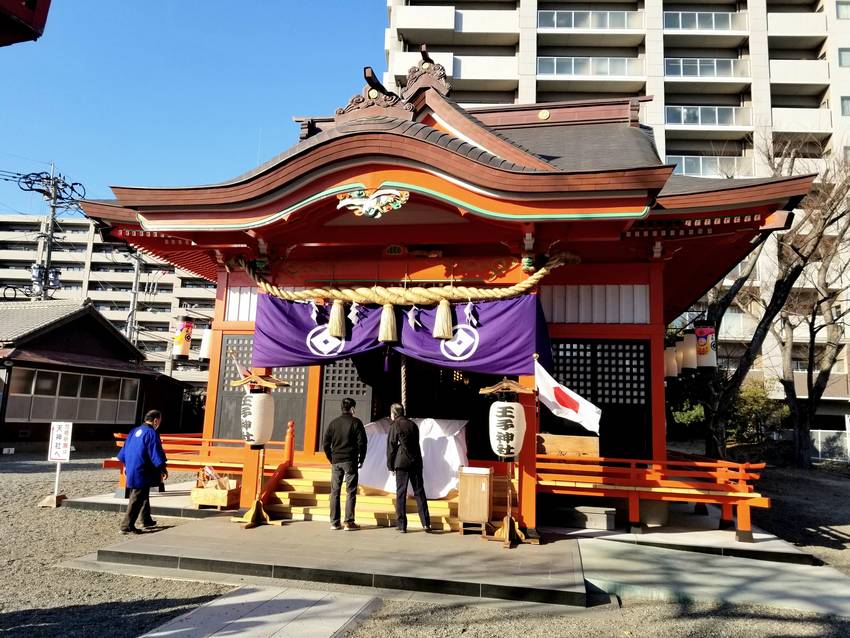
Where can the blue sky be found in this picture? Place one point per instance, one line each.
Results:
(163, 93)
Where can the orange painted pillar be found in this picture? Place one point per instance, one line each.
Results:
(656, 361)
(527, 466)
(250, 473)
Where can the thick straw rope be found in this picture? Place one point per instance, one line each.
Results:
(400, 296)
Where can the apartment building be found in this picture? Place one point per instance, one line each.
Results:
(729, 79)
(103, 272)
(725, 76)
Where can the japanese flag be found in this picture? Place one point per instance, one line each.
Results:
(564, 402)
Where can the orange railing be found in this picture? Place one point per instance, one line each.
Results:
(724, 483)
(193, 452)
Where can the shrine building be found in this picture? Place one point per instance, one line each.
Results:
(407, 249)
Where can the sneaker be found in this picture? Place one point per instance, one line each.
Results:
(429, 530)
(401, 530)
(336, 526)
(350, 527)
(131, 530)
(149, 524)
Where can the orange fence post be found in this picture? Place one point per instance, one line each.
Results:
(744, 530)
(726, 516)
(634, 514)
(250, 470)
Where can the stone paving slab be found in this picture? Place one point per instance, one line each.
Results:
(261, 612)
(636, 571)
(371, 557)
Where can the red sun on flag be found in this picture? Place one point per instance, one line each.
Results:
(565, 399)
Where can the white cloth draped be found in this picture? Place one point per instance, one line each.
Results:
(443, 445)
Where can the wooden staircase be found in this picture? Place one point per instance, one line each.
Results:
(304, 494)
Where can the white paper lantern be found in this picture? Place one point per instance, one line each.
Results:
(182, 339)
(689, 350)
(507, 428)
(671, 368)
(680, 353)
(706, 345)
(257, 417)
(206, 345)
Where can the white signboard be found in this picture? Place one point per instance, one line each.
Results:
(60, 441)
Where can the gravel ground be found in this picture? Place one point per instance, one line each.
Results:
(644, 620)
(39, 599)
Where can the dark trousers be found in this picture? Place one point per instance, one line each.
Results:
(343, 472)
(414, 476)
(140, 502)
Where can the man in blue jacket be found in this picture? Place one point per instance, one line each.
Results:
(144, 468)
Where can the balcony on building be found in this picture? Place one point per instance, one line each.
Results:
(701, 29)
(809, 122)
(590, 28)
(798, 30)
(466, 72)
(441, 25)
(798, 77)
(706, 75)
(708, 122)
(590, 73)
(737, 326)
(712, 165)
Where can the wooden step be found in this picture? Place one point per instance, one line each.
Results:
(441, 508)
(322, 473)
(381, 519)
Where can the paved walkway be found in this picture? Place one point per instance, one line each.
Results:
(638, 571)
(259, 612)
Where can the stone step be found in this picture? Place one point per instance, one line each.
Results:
(586, 517)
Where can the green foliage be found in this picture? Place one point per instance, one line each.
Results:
(689, 413)
(755, 414)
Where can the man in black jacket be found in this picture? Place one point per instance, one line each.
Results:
(404, 459)
(345, 446)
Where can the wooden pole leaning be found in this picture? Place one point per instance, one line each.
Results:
(257, 515)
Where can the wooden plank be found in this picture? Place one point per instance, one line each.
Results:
(558, 304)
(613, 311)
(598, 312)
(585, 305)
(572, 296)
(627, 303)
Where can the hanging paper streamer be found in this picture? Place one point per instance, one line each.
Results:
(354, 313)
(413, 319)
(314, 312)
(469, 313)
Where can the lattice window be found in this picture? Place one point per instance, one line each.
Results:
(341, 380)
(290, 402)
(604, 372)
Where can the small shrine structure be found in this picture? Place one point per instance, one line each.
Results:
(408, 248)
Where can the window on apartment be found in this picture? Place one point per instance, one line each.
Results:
(845, 105)
(843, 9)
(844, 57)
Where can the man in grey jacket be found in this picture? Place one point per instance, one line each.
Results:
(404, 459)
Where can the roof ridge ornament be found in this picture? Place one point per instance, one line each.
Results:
(375, 99)
(426, 73)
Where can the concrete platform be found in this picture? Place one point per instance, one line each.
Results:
(270, 611)
(175, 501)
(445, 563)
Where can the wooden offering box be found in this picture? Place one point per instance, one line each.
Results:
(563, 445)
(215, 496)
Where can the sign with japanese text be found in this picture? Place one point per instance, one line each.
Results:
(60, 441)
(507, 428)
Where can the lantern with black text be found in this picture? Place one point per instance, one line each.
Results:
(706, 345)
(257, 417)
(507, 428)
(182, 339)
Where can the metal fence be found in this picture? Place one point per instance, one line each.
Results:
(830, 445)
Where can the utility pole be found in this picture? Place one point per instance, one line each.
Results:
(130, 330)
(48, 237)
